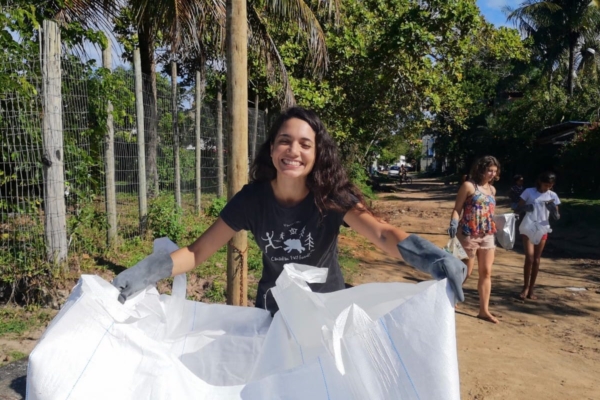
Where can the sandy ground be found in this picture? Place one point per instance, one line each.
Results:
(543, 349)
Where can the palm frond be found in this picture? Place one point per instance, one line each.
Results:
(263, 43)
(182, 22)
(299, 11)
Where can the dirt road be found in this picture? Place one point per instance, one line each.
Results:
(543, 349)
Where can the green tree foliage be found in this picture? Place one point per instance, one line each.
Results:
(391, 66)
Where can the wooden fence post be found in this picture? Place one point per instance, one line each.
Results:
(220, 152)
(254, 131)
(199, 88)
(175, 118)
(139, 111)
(53, 154)
(237, 111)
(109, 161)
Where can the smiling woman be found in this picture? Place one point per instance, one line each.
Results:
(298, 199)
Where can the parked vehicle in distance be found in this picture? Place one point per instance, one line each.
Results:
(394, 170)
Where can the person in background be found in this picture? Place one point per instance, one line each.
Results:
(475, 230)
(514, 194)
(542, 201)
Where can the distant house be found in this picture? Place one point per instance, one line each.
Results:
(428, 155)
(560, 133)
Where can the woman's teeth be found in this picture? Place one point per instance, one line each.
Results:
(293, 163)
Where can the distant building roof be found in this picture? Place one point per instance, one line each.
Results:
(557, 134)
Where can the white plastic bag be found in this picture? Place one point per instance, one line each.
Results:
(533, 229)
(506, 230)
(380, 340)
(455, 248)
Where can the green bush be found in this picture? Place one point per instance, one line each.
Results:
(216, 206)
(165, 218)
(358, 175)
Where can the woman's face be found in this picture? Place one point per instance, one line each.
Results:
(544, 187)
(490, 173)
(294, 149)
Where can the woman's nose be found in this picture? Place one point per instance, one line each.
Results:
(293, 148)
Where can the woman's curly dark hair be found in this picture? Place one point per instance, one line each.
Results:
(480, 167)
(328, 180)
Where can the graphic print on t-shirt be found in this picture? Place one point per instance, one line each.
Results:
(291, 244)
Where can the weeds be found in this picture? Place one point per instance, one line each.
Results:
(216, 206)
(17, 321)
(165, 218)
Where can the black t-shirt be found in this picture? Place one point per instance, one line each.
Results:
(298, 234)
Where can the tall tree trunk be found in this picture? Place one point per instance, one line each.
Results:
(237, 110)
(254, 130)
(570, 79)
(146, 43)
(174, 106)
(220, 152)
(198, 131)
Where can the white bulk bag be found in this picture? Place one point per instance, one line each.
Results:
(506, 232)
(532, 227)
(379, 341)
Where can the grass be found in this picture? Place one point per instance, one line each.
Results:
(16, 355)
(579, 212)
(348, 264)
(15, 321)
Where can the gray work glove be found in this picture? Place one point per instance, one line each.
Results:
(524, 208)
(550, 206)
(146, 273)
(453, 228)
(427, 257)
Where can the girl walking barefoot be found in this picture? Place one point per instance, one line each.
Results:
(475, 230)
(542, 201)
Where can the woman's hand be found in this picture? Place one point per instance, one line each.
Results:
(453, 228)
(427, 257)
(553, 208)
(146, 273)
(162, 265)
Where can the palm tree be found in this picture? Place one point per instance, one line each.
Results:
(185, 24)
(556, 27)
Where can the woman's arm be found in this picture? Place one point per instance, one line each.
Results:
(416, 251)
(188, 258)
(381, 234)
(466, 189)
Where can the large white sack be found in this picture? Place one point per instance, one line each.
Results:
(506, 231)
(376, 341)
(532, 225)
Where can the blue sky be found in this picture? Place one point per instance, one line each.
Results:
(492, 10)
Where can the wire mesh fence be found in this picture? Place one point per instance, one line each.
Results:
(41, 128)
